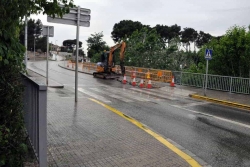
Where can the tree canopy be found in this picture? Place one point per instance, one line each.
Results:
(231, 53)
(70, 43)
(144, 49)
(96, 44)
(124, 29)
(34, 31)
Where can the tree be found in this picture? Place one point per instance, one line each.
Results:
(202, 39)
(34, 30)
(168, 33)
(124, 29)
(95, 44)
(145, 49)
(231, 53)
(71, 43)
(188, 35)
(12, 139)
(163, 31)
(41, 43)
(174, 31)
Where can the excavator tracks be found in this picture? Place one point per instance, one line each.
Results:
(106, 75)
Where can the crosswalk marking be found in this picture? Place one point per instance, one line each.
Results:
(128, 95)
(111, 95)
(154, 94)
(101, 98)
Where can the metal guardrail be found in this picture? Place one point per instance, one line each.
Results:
(35, 117)
(215, 82)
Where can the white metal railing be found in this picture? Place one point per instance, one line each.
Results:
(35, 117)
(215, 82)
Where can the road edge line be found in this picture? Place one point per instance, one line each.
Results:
(223, 102)
(158, 137)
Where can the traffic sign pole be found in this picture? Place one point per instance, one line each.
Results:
(77, 46)
(208, 56)
(47, 61)
(205, 91)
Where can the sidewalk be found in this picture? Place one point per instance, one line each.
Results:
(87, 134)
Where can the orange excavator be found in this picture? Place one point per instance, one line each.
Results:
(106, 68)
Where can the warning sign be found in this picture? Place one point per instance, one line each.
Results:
(208, 54)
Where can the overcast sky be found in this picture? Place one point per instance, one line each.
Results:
(210, 16)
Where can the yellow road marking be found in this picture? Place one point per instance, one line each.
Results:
(227, 103)
(183, 155)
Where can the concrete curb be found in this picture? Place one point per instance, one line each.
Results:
(74, 70)
(58, 86)
(223, 102)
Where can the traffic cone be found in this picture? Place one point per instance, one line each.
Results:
(141, 84)
(124, 81)
(133, 75)
(172, 82)
(149, 84)
(133, 82)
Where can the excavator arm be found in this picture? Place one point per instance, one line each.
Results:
(122, 47)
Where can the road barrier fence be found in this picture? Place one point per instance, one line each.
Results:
(215, 82)
(35, 117)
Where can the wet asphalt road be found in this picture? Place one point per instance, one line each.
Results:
(217, 134)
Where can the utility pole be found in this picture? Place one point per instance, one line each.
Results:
(34, 47)
(25, 40)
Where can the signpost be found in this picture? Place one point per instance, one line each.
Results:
(208, 56)
(49, 32)
(78, 17)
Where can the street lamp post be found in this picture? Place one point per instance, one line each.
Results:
(34, 47)
(35, 34)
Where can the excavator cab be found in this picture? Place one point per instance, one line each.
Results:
(106, 68)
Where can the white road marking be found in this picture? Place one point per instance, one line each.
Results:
(74, 97)
(194, 104)
(128, 95)
(220, 118)
(101, 98)
(111, 95)
(154, 94)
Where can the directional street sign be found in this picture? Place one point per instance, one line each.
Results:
(77, 17)
(45, 31)
(71, 17)
(69, 21)
(208, 54)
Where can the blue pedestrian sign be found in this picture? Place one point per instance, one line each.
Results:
(208, 54)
